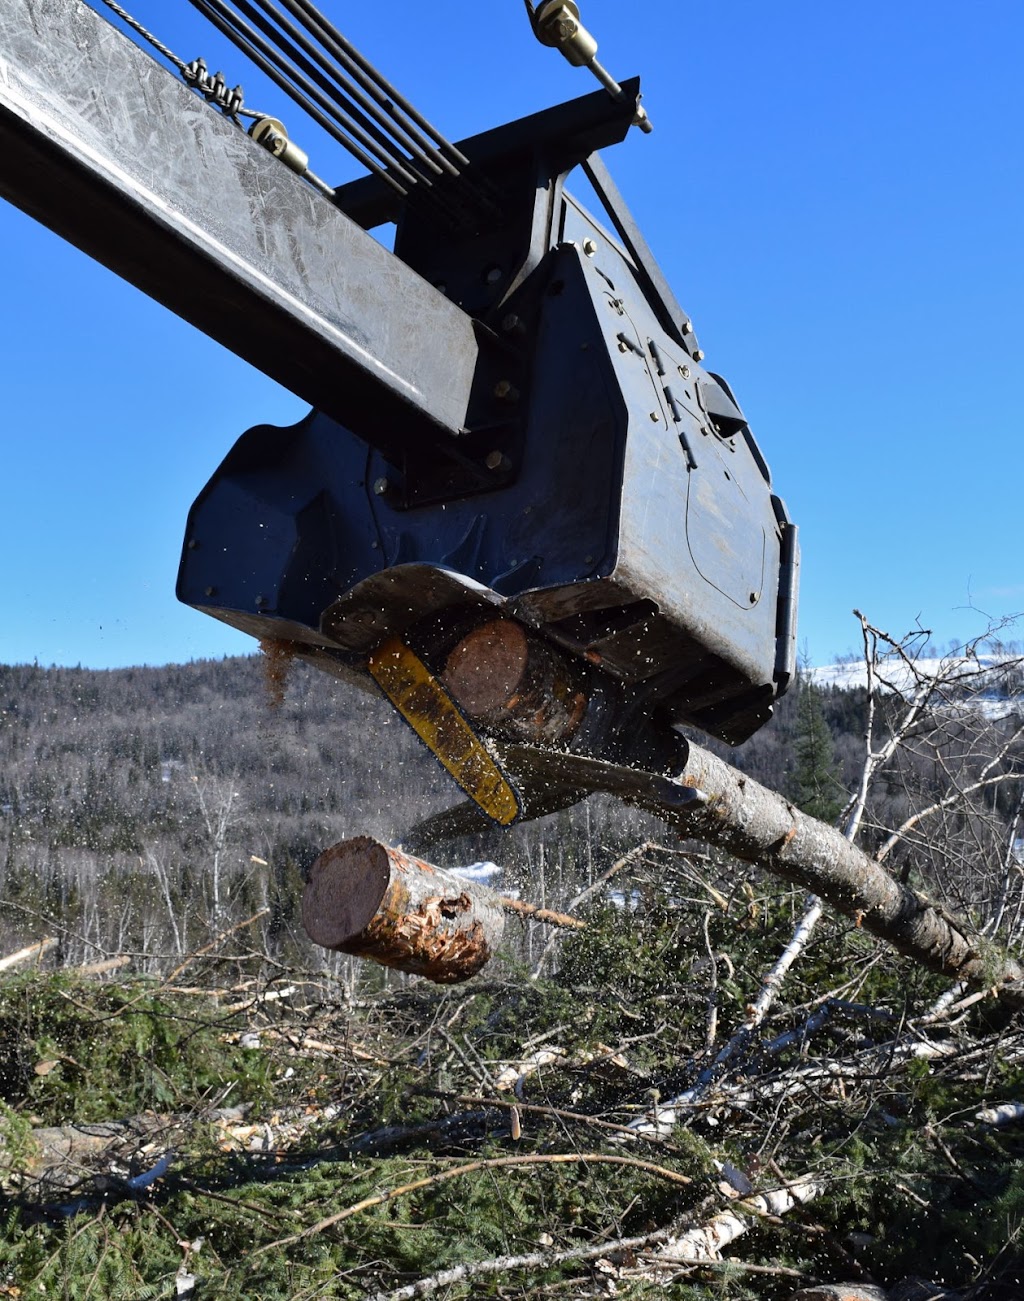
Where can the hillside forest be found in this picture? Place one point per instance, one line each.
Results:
(196, 1101)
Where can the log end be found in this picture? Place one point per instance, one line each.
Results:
(485, 670)
(345, 889)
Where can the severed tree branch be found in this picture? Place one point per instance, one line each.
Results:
(759, 826)
(503, 1264)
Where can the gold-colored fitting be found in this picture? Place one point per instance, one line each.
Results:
(558, 25)
(272, 135)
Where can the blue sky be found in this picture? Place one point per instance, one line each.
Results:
(835, 193)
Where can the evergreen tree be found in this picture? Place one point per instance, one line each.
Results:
(815, 784)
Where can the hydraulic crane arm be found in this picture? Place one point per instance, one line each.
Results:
(105, 147)
(523, 506)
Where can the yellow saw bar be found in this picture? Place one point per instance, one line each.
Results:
(435, 718)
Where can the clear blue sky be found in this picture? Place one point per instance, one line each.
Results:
(835, 192)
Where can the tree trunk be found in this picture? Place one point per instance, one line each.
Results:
(757, 825)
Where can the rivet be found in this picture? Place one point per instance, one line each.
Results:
(684, 371)
(506, 391)
(380, 486)
(492, 275)
(261, 600)
(192, 544)
(209, 591)
(496, 461)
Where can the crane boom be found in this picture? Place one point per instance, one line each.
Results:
(108, 149)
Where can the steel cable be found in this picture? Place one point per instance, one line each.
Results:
(474, 188)
(308, 77)
(373, 103)
(237, 31)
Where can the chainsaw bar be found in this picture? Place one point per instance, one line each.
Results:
(549, 780)
(436, 719)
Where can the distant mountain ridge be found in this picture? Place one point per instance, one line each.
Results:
(990, 684)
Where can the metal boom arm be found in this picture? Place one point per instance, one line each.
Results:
(105, 147)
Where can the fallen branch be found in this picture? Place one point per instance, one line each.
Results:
(706, 1243)
(535, 913)
(102, 968)
(504, 1264)
(27, 954)
(215, 943)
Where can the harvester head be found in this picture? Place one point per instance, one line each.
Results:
(593, 558)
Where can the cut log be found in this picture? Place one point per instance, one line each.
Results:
(370, 900)
(515, 684)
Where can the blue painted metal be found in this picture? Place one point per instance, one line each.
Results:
(621, 506)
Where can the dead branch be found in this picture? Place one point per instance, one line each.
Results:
(533, 1260)
(215, 943)
(538, 914)
(707, 1242)
(947, 802)
(27, 954)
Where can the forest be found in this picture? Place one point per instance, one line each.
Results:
(197, 1101)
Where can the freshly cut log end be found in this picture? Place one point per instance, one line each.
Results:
(373, 901)
(516, 684)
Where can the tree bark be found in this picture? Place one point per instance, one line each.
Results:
(760, 826)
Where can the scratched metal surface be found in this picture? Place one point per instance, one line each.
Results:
(106, 147)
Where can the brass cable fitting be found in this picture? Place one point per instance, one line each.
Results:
(557, 24)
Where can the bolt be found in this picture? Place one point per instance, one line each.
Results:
(699, 355)
(380, 486)
(655, 417)
(513, 324)
(622, 346)
(589, 247)
(261, 600)
(687, 327)
(192, 544)
(753, 598)
(506, 391)
(209, 591)
(497, 461)
(492, 275)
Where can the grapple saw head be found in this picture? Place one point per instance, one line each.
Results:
(592, 558)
